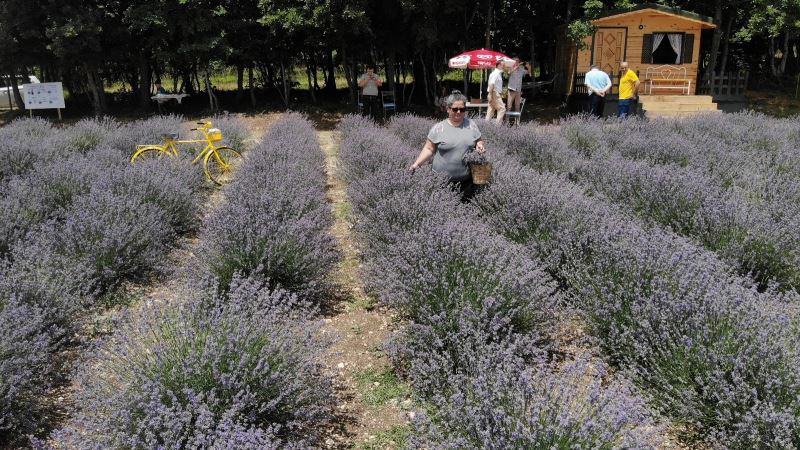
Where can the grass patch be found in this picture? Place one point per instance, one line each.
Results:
(379, 387)
(394, 437)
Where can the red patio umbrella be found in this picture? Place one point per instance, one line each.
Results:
(477, 59)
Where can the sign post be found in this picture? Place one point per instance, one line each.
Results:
(44, 96)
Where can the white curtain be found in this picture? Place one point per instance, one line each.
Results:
(657, 38)
(676, 41)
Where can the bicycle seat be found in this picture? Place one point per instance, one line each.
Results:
(170, 136)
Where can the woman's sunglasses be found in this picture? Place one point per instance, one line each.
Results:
(458, 109)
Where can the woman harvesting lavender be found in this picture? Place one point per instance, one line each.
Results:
(448, 141)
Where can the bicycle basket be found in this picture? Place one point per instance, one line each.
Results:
(214, 134)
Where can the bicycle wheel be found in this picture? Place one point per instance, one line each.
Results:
(220, 163)
(151, 152)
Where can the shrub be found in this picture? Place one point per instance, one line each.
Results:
(275, 225)
(114, 237)
(502, 402)
(246, 368)
(667, 312)
(27, 341)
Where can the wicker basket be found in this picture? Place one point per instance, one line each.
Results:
(481, 173)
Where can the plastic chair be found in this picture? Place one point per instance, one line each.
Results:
(516, 115)
(387, 98)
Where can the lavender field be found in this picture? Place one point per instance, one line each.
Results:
(674, 244)
(619, 284)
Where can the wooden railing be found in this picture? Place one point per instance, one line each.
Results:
(731, 85)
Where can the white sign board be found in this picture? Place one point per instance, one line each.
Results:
(44, 96)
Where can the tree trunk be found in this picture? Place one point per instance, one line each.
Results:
(213, 104)
(715, 41)
(773, 68)
(8, 94)
(251, 83)
(726, 38)
(285, 92)
(782, 68)
(488, 32)
(391, 60)
(144, 81)
(330, 73)
(349, 76)
(15, 88)
(239, 82)
(96, 94)
(425, 80)
(310, 84)
(533, 54)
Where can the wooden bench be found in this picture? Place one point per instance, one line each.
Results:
(667, 77)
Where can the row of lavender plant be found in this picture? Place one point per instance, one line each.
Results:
(713, 353)
(276, 220)
(751, 236)
(479, 309)
(240, 364)
(76, 220)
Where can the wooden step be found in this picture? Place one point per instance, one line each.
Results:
(679, 106)
(676, 98)
(654, 114)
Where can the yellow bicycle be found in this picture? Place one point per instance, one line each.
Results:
(218, 162)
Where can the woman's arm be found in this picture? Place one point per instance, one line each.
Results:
(427, 153)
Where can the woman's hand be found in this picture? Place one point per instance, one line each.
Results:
(413, 167)
(480, 147)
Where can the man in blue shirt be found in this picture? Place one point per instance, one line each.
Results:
(598, 84)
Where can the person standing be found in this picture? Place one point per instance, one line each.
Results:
(369, 83)
(447, 143)
(515, 84)
(628, 89)
(598, 84)
(495, 92)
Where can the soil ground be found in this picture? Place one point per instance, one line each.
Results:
(356, 360)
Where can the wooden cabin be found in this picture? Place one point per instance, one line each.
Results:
(660, 43)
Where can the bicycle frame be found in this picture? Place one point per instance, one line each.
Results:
(171, 145)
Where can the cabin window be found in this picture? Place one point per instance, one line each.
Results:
(667, 48)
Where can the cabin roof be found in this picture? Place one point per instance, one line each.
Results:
(704, 21)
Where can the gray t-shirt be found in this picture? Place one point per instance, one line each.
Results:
(515, 78)
(452, 143)
(371, 88)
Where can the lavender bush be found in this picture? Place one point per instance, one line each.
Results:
(27, 342)
(758, 238)
(76, 220)
(276, 221)
(666, 311)
(502, 402)
(243, 369)
(468, 295)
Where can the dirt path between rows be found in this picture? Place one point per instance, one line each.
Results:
(375, 404)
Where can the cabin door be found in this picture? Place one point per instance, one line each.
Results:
(608, 49)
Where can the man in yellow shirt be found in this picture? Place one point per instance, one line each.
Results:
(628, 89)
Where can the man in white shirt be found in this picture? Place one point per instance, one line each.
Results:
(598, 84)
(515, 84)
(495, 91)
(369, 83)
